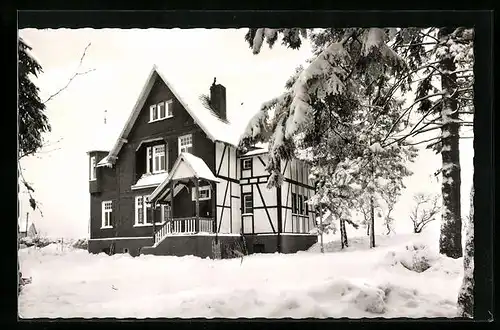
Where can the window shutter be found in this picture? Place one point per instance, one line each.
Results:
(152, 112)
(165, 157)
(168, 105)
(149, 214)
(161, 107)
(149, 160)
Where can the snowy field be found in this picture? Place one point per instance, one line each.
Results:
(357, 282)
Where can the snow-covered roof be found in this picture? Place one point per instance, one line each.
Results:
(148, 180)
(104, 162)
(186, 166)
(189, 96)
(260, 148)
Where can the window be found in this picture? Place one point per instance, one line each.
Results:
(107, 211)
(144, 212)
(299, 205)
(306, 206)
(160, 111)
(186, 143)
(93, 168)
(156, 159)
(204, 193)
(166, 213)
(294, 203)
(139, 211)
(246, 164)
(247, 203)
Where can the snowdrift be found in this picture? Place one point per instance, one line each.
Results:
(403, 277)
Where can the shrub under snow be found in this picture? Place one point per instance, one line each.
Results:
(417, 257)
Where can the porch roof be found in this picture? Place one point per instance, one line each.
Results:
(187, 166)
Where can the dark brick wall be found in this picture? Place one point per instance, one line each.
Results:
(96, 186)
(197, 245)
(201, 246)
(292, 244)
(289, 243)
(133, 245)
(117, 181)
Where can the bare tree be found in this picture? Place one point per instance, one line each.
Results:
(425, 209)
(38, 146)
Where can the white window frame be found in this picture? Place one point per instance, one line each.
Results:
(244, 212)
(104, 212)
(145, 206)
(151, 155)
(243, 164)
(202, 188)
(154, 110)
(182, 147)
(93, 168)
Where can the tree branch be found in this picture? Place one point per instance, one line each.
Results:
(408, 109)
(33, 203)
(76, 74)
(424, 141)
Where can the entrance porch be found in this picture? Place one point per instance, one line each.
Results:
(193, 218)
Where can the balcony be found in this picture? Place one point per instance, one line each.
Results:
(191, 225)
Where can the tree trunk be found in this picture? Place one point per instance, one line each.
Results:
(372, 223)
(343, 234)
(450, 241)
(367, 229)
(466, 294)
(321, 230)
(19, 275)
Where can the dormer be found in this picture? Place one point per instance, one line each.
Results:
(95, 156)
(151, 157)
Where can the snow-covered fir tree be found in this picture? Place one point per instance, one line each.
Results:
(335, 109)
(441, 69)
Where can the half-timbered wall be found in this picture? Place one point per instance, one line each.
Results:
(253, 181)
(227, 191)
(298, 216)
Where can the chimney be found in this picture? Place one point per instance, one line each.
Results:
(218, 99)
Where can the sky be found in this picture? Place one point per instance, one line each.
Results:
(120, 61)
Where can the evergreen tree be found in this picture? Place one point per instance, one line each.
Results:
(335, 109)
(443, 99)
(33, 121)
(450, 60)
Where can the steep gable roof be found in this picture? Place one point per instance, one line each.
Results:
(186, 166)
(215, 128)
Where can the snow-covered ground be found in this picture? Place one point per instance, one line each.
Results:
(356, 282)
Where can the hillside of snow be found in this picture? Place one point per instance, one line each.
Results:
(404, 276)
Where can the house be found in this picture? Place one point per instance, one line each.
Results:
(32, 232)
(175, 183)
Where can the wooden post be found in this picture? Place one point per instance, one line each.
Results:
(172, 204)
(27, 216)
(197, 205)
(153, 208)
(212, 195)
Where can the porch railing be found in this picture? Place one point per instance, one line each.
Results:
(183, 225)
